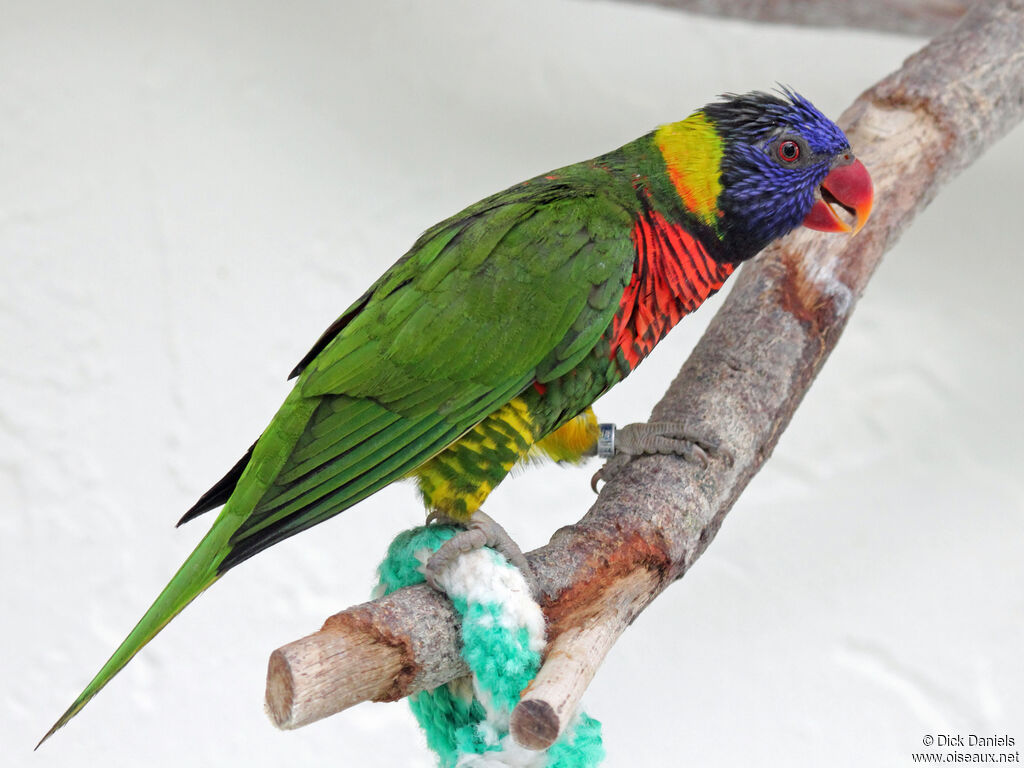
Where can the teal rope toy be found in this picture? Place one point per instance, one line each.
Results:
(466, 721)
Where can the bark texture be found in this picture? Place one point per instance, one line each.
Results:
(913, 130)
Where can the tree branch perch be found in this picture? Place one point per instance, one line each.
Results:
(914, 130)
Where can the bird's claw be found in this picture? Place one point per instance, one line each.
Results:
(609, 469)
(436, 517)
(666, 438)
(480, 531)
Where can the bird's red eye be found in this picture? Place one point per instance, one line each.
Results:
(789, 151)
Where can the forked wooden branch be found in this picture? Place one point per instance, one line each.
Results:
(913, 130)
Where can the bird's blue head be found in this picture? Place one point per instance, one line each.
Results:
(783, 164)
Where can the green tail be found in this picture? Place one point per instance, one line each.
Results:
(202, 567)
(198, 572)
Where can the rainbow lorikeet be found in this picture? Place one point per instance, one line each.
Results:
(489, 340)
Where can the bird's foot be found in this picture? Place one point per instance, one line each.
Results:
(667, 438)
(480, 531)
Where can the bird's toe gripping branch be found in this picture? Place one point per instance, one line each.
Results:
(467, 721)
(666, 438)
(481, 531)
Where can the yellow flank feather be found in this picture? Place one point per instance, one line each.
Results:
(572, 441)
(457, 480)
(692, 151)
(517, 416)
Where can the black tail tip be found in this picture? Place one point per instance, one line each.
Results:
(49, 733)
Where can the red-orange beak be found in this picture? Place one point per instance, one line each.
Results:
(848, 186)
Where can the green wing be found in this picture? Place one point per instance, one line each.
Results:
(482, 305)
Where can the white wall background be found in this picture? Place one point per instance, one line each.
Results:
(190, 192)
